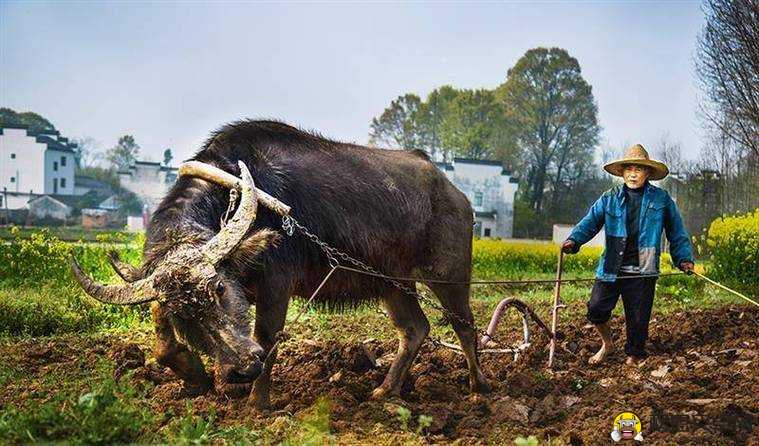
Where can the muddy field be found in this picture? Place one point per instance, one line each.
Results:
(699, 385)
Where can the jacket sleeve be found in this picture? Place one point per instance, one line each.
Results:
(679, 240)
(589, 226)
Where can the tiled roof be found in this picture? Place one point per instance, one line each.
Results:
(475, 161)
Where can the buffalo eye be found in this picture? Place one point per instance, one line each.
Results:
(219, 289)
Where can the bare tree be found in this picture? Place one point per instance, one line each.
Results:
(88, 152)
(728, 69)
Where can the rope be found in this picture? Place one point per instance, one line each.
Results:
(725, 288)
(499, 282)
(283, 335)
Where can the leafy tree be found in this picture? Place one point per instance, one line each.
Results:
(470, 122)
(34, 122)
(167, 157)
(397, 127)
(433, 114)
(124, 153)
(550, 116)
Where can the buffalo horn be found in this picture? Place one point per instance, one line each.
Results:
(138, 292)
(126, 271)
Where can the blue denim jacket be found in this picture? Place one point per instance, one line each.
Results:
(657, 212)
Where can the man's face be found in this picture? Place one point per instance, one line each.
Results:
(635, 176)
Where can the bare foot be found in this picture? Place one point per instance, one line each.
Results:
(600, 355)
(380, 393)
(632, 360)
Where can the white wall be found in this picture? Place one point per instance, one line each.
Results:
(561, 232)
(64, 172)
(148, 182)
(15, 201)
(27, 167)
(498, 193)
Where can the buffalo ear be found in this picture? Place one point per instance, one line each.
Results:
(254, 244)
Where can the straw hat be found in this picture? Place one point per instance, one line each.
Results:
(637, 155)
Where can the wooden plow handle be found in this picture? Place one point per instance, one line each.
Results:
(555, 311)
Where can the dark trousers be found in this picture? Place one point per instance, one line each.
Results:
(637, 298)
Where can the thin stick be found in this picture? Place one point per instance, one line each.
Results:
(555, 311)
(725, 288)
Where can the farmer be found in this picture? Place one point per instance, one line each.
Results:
(633, 216)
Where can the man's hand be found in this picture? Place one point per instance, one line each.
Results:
(686, 267)
(569, 247)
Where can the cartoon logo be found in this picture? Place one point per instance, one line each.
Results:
(626, 426)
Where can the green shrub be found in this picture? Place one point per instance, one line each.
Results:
(39, 295)
(53, 309)
(496, 258)
(43, 258)
(110, 413)
(734, 246)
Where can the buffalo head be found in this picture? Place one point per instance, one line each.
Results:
(205, 300)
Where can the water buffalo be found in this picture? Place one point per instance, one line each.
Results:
(389, 208)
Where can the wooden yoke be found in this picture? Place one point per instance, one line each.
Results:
(226, 179)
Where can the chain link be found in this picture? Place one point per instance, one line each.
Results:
(289, 224)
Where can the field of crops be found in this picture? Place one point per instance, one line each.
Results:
(77, 371)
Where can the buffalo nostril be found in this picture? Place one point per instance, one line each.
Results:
(253, 370)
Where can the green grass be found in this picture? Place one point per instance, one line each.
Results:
(55, 310)
(105, 413)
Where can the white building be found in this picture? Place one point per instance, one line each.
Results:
(33, 164)
(561, 232)
(149, 181)
(490, 188)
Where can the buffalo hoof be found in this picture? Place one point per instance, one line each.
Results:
(260, 403)
(193, 390)
(382, 393)
(480, 387)
(233, 390)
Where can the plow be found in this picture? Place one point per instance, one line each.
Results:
(487, 343)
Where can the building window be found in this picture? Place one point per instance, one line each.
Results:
(63, 162)
(55, 166)
(13, 179)
(487, 232)
(63, 183)
(55, 185)
(478, 199)
(13, 156)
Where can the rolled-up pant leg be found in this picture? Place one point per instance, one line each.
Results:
(603, 299)
(638, 300)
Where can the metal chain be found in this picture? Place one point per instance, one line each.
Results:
(289, 224)
(232, 202)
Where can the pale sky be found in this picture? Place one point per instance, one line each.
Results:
(170, 72)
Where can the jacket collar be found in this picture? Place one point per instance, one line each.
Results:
(647, 191)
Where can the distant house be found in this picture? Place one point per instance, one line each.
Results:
(34, 164)
(46, 207)
(148, 180)
(491, 190)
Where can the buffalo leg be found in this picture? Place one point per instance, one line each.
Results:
(455, 299)
(271, 309)
(169, 352)
(413, 327)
